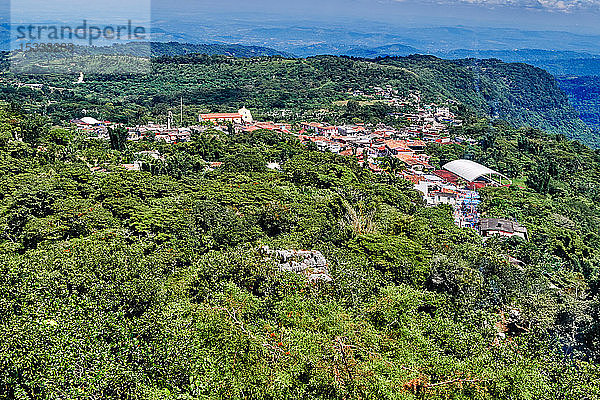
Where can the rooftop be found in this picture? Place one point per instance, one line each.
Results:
(498, 224)
(472, 171)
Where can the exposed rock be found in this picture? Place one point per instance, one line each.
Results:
(310, 263)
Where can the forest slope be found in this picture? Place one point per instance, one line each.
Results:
(152, 284)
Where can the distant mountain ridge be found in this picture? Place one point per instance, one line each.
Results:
(557, 62)
(519, 55)
(392, 50)
(308, 38)
(162, 49)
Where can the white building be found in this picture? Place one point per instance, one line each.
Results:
(246, 115)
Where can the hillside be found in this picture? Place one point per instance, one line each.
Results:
(154, 49)
(584, 93)
(357, 51)
(157, 283)
(180, 277)
(519, 93)
(555, 62)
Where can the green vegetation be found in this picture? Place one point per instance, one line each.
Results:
(583, 92)
(291, 89)
(151, 284)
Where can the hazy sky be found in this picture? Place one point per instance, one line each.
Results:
(574, 16)
(577, 16)
(568, 15)
(36, 10)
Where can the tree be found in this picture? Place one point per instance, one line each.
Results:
(33, 128)
(250, 160)
(118, 138)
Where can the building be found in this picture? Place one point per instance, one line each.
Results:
(270, 126)
(221, 117)
(242, 116)
(92, 127)
(246, 115)
(437, 198)
(319, 128)
(501, 227)
(397, 146)
(473, 172)
(416, 145)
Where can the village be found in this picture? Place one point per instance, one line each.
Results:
(455, 184)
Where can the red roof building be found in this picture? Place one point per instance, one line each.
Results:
(222, 117)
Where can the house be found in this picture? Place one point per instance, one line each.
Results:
(350, 130)
(418, 162)
(246, 115)
(436, 198)
(270, 126)
(501, 227)
(397, 146)
(416, 145)
(319, 129)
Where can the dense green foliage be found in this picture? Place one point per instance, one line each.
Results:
(151, 284)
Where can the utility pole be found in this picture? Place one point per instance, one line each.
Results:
(181, 116)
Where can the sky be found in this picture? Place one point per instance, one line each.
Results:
(575, 16)
(578, 16)
(570, 15)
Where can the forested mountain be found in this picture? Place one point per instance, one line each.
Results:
(584, 93)
(518, 93)
(150, 49)
(159, 283)
(233, 50)
(558, 63)
(148, 251)
(153, 284)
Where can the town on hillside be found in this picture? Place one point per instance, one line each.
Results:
(380, 148)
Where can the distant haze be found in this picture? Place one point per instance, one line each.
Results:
(361, 28)
(580, 17)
